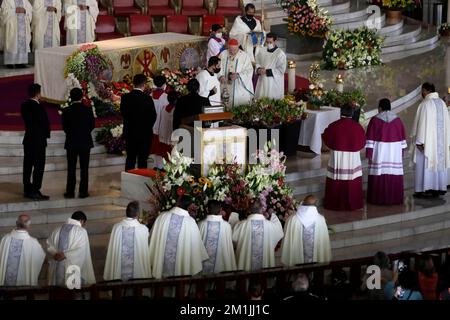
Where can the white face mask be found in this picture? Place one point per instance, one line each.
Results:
(270, 46)
(219, 35)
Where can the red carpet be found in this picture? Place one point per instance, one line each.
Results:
(13, 91)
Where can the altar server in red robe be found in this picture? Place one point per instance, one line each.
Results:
(345, 138)
(386, 142)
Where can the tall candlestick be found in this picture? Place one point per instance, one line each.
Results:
(291, 76)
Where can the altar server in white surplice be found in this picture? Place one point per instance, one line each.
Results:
(248, 31)
(431, 141)
(236, 74)
(176, 247)
(80, 19)
(15, 26)
(270, 66)
(217, 237)
(256, 239)
(128, 253)
(46, 17)
(69, 245)
(306, 237)
(209, 82)
(21, 256)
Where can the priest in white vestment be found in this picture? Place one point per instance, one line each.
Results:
(255, 239)
(431, 153)
(176, 247)
(248, 31)
(128, 254)
(15, 26)
(209, 82)
(80, 19)
(236, 74)
(21, 256)
(270, 66)
(69, 245)
(306, 238)
(217, 237)
(46, 18)
(216, 44)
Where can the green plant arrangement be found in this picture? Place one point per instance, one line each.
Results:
(338, 99)
(348, 49)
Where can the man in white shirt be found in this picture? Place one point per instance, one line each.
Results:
(209, 83)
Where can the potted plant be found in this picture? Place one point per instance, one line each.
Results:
(394, 8)
(444, 30)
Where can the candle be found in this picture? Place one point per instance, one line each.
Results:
(339, 83)
(291, 76)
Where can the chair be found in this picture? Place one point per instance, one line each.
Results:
(105, 28)
(209, 20)
(229, 8)
(140, 24)
(178, 24)
(193, 8)
(159, 8)
(125, 8)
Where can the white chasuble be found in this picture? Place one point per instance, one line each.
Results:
(80, 24)
(271, 84)
(241, 89)
(21, 259)
(176, 247)
(128, 252)
(256, 239)
(306, 238)
(45, 24)
(248, 39)
(217, 237)
(71, 239)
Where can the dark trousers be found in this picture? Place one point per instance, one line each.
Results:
(33, 164)
(72, 158)
(137, 150)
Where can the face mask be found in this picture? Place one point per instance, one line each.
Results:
(217, 70)
(219, 35)
(249, 16)
(270, 46)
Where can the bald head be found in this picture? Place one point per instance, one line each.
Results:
(23, 222)
(310, 200)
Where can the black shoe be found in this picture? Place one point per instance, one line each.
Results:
(83, 195)
(42, 196)
(21, 66)
(10, 66)
(32, 196)
(69, 195)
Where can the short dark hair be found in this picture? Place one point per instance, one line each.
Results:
(214, 207)
(139, 80)
(249, 6)
(159, 81)
(255, 289)
(272, 35)
(408, 280)
(133, 209)
(193, 85)
(76, 94)
(384, 104)
(216, 27)
(34, 89)
(347, 110)
(429, 87)
(381, 259)
(213, 61)
(184, 202)
(172, 97)
(79, 216)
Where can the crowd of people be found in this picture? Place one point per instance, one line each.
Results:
(174, 245)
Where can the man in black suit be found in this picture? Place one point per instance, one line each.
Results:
(190, 105)
(37, 131)
(78, 122)
(139, 116)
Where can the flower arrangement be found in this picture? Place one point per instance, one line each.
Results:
(355, 97)
(178, 79)
(89, 93)
(306, 18)
(347, 49)
(110, 135)
(86, 63)
(270, 112)
(444, 29)
(399, 4)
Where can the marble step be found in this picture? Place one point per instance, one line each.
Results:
(52, 150)
(14, 165)
(389, 57)
(408, 32)
(423, 40)
(16, 137)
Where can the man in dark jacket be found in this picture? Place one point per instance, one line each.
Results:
(139, 116)
(190, 105)
(37, 131)
(78, 122)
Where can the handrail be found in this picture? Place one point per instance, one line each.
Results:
(241, 277)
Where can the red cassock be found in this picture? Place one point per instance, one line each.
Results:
(386, 142)
(343, 189)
